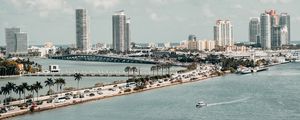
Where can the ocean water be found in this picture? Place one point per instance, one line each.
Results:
(268, 95)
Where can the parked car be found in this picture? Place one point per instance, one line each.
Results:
(67, 94)
(112, 89)
(86, 91)
(60, 99)
(3, 110)
(39, 102)
(11, 108)
(160, 81)
(67, 97)
(76, 96)
(99, 92)
(92, 94)
(49, 100)
(29, 102)
(81, 96)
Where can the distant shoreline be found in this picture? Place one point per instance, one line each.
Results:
(10, 76)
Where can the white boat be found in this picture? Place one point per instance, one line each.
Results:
(201, 104)
(244, 70)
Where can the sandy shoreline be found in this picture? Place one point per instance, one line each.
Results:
(106, 94)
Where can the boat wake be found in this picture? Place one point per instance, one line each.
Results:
(229, 102)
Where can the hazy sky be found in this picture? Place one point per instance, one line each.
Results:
(151, 20)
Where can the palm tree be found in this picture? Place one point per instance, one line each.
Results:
(127, 69)
(78, 77)
(168, 66)
(25, 87)
(162, 66)
(31, 89)
(37, 86)
(62, 82)
(0, 93)
(11, 87)
(57, 82)
(19, 90)
(5, 91)
(157, 69)
(134, 69)
(153, 68)
(49, 82)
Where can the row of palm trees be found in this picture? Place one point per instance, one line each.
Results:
(161, 67)
(34, 88)
(20, 89)
(129, 69)
(59, 82)
(154, 68)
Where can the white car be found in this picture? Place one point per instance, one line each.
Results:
(60, 99)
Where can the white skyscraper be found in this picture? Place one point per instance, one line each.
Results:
(285, 21)
(285, 35)
(265, 31)
(121, 32)
(223, 33)
(276, 37)
(127, 35)
(254, 30)
(82, 30)
(16, 41)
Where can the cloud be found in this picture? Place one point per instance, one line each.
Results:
(44, 7)
(238, 6)
(105, 4)
(164, 2)
(297, 18)
(275, 1)
(180, 19)
(155, 17)
(16, 3)
(207, 12)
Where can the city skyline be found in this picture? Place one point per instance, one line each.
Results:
(159, 21)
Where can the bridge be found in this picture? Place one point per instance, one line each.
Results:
(104, 58)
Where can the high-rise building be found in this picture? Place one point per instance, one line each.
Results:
(16, 41)
(284, 20)
(82, 30)
(277, 28)
(223, 33)
(127, 35)
(192, 37)
(273, 17)
(276, 37)
(21, 46)
(265, 31)
(121, 32)
(206, 45)
(285, 35)
(254, 30)
(192, 42)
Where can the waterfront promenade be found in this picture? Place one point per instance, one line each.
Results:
(97, 93)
